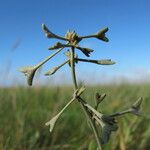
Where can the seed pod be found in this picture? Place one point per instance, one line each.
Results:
(105, 62)
(99, 98)
(52, 71)
(50, 34)
(56, 46)
(86, 51)
(29, 71)
(101, 35)
(47, 32)
(135, 109)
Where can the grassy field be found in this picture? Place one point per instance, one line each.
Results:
(24, 111)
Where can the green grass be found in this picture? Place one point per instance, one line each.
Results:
(24, 111)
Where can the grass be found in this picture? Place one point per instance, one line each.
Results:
(24, 111)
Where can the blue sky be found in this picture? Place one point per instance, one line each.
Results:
(129, 35)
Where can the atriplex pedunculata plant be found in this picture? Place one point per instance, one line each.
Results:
(101, 124)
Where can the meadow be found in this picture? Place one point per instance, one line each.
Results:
(24, 111)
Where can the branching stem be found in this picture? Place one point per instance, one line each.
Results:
(88, 115)
(72, 63)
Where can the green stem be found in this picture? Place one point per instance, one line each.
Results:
(65, 107)
(72, 63)
(90, 119)
(87, 60)
(99, 62)
(88, 36)
(53, 70)
(121, 113)
(63, 63)
(48, 58)
(88, 115)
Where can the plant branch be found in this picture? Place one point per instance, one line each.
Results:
(53, 70)
(92, 124)
(99, 62)
(49, 34)
(72, 63)
(49, 57)
(53, 121)
(88, 115)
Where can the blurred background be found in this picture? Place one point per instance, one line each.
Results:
(24, 110)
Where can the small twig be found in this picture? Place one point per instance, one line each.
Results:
(99, 62)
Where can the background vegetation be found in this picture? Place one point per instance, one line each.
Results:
(24, 111)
